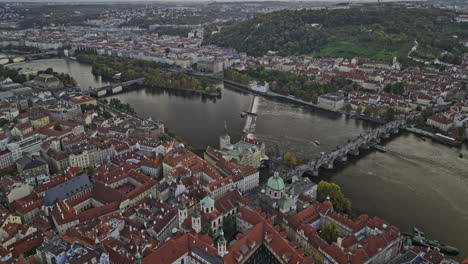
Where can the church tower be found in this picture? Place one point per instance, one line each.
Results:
(221, 244)
(196, 221)
(225, 139)
(182, 211)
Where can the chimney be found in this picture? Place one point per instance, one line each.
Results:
(339, 241)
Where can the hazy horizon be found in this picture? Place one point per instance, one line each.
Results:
(194, 1)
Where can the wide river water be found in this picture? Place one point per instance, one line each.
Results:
(415, 183)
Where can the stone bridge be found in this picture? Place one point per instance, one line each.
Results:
(351, 147)
(112, 88)
(31, 56)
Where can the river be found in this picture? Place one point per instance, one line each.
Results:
(416, 183)
(81, 72)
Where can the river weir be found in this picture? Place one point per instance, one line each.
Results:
(251, 117)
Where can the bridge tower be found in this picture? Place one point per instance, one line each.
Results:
(355, 151)
(343, 157)
(315, 171)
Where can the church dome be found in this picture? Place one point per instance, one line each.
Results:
(207, 202)
(275, 182)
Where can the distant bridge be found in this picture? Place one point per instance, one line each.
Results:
(31, 56)
(112, 88)
(352, 147)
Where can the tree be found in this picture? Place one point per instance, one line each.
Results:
(333, 191)
(398, 88)
(58, 126)
(207, 230)
(229, 227)
(289, 159)
(359, 109)
(167, 50)
(11, 171)
(87, 107)
(389, 114)
(163, 137)
(426, 113)
(3, 122)
(106, 114)
(114, 102)
(388, 88)
(49, 71)
(20, 78)
(30, 251)
(368, 110)
(91, 170)
(330, 233)
(348, 108)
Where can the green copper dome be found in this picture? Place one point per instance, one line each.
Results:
(207, 202)
(275, 182)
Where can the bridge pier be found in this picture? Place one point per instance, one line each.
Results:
(386, 135)
(396, 130)
(354, 152)
(315, 172)
(365, 146)
(377, 140)
(330, 165)
(101, 93)
(344, 158)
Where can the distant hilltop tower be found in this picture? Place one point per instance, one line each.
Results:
(225, 139)
(395, 64)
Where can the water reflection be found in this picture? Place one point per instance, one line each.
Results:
(81, 72)
(184, 94)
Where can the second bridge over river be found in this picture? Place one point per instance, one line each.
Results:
(351, 147)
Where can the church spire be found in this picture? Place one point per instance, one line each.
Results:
(221, 244)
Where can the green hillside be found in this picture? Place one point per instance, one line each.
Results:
(366, 32)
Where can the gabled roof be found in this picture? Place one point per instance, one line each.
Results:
(67, 189)
(27, 163)
(179, 246)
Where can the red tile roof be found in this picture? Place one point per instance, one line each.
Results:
(49, 130)
(27, 203)
(153, 163)
(440, 119)
(266, 232)
(178, 246)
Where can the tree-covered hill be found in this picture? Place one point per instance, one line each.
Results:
(367, 32)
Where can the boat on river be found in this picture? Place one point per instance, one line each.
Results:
(418, 238)
(447, 140)
(317, 142)
(379, 147)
